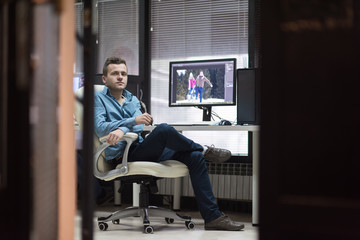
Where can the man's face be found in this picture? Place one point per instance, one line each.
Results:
(116, 79)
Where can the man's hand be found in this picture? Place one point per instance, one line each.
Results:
(144, 118)
(114, 137)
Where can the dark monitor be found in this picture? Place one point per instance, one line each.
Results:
(203, 84)
(248, 96)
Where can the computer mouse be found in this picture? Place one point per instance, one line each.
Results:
(224, 123)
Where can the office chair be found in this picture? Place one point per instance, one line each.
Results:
(141, 172)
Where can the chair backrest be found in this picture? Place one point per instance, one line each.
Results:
(102, 164)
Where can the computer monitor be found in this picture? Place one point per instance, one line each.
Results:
(78, 81)
(248, 96)
(202, 84)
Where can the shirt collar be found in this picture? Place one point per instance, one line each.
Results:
(126, 93)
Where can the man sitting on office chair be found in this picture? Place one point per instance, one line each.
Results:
(117, 112)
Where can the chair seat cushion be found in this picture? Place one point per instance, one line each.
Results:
(164, 169)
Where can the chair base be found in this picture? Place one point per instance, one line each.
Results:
(144, 212)
(147, 186)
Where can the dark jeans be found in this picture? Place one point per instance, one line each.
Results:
(199, 90)
(165, 143)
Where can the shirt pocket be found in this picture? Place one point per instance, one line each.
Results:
(130, 109)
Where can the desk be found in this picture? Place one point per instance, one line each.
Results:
(255, 129)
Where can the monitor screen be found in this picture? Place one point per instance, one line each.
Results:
(248, 96)
(78, 81)
(202, 83)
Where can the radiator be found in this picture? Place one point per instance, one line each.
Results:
(229, 181)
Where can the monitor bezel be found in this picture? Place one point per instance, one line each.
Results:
(233, 103)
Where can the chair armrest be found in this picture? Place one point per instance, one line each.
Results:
(129, 138)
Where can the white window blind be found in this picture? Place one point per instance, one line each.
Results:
(119, 32)
(196, 30)
(79, 27)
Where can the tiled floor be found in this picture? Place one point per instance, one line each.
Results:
(132, 228)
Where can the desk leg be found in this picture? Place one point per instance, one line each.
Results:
(117, 195)
(136, 191)
(177, 193)
(255, 183)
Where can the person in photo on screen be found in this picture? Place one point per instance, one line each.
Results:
(117, 112)
(191, 87)
(200, 81)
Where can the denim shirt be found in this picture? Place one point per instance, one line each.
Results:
(110, 115)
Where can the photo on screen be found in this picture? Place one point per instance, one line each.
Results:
(208, 82)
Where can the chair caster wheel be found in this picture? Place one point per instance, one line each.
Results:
(169, 220)
(103, 226)
(148, 229)
(116, 221)
(190, 224)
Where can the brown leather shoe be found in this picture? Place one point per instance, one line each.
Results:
(217, 155)
(224, 223)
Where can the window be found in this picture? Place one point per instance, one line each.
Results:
(79, 28)
(196, 30)
(118, 33)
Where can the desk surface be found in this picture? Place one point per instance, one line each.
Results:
(250, 128)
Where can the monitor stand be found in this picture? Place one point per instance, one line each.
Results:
(206, 113)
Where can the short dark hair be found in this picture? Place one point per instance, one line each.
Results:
(112, 60)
